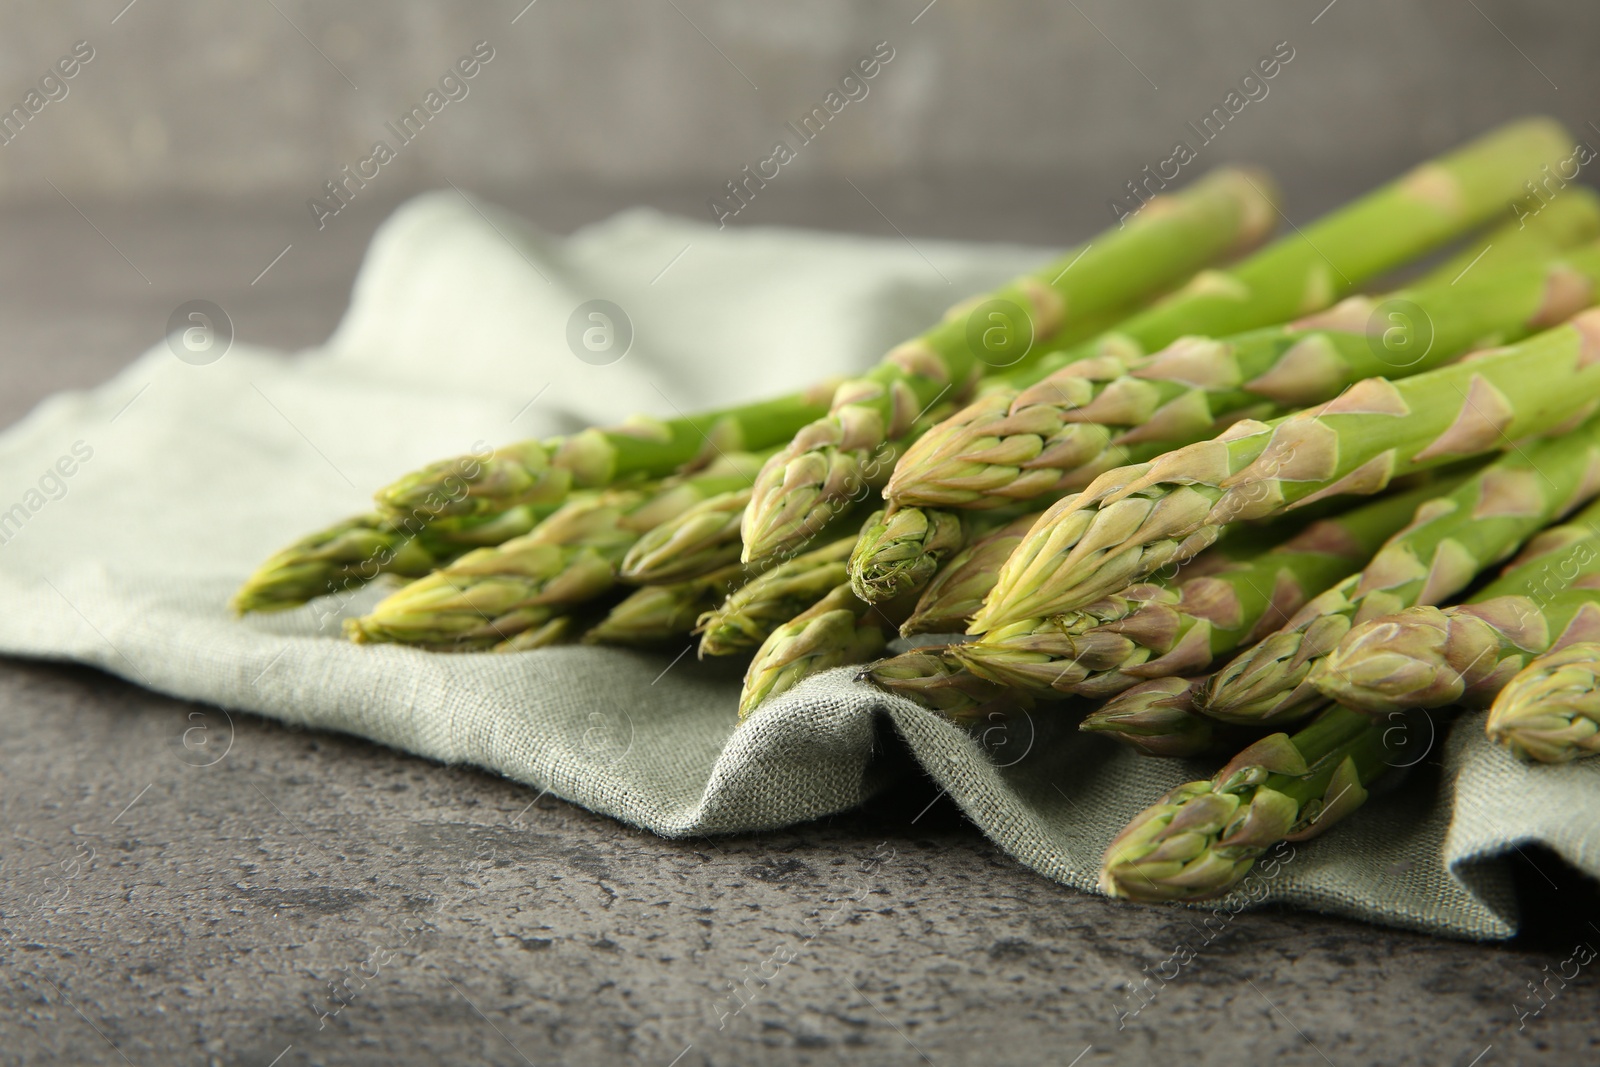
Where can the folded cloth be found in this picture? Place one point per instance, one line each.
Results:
(130, 512)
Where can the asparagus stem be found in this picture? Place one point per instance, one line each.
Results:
(1099, 413)
(1550, 712)
(838, 630)
(956, 592)
(492, 594)
(1451, 541)
(544, 472)
(1565, 222)
(1201, 839)
(750, 614)
(1133, 520)
(658, 614)
(1154, 630)
(1011, 443)
(839, 453)
(1316, 264)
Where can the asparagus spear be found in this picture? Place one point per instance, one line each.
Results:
(1135, 519)
(493, 594)
(1452, 540)
(1563, 223)
(351, 553)
(933, 681)
(841, 452)
(750, 614)
(1099, 413)
(697, 542)
(1428, 657)
(1157, 718)
(434, 515)
(1202, 838)
(344, 556)
(900, 553)
(552, 631)
(935, 676)
(544, 472)
(1060, 427)
(838, 630)
(956, 592)
(1544, 600)
(706, 537)
(1116, 405)
(1550, 712)
(657, 614)
(1319, 263)
(1154, 630)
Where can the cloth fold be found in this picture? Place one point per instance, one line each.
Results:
(458, 333)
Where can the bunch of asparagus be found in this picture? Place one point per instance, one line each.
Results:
(1098, 473)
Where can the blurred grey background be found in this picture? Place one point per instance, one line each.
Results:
(179, 161)
(270, 98)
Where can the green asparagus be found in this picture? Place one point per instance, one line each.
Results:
(552, 631)
(901, 553)
(697, 542)
(492, 594)
(1550, 712)
(750, 614)
(934, 682)
(837, 630)
(1426, 657)
(1570, 220)
(1430, 657)
(1452, 540)
(706, 537)
(839, 454)
(544, 472)
(956, 592)
(349, 554)
(1157, 718)
(1131, 521)
(658, 614)
(1202, 838)
(1153, 630)
(1113, 404)
(1100, 413)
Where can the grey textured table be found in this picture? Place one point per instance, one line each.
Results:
(302, 898)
